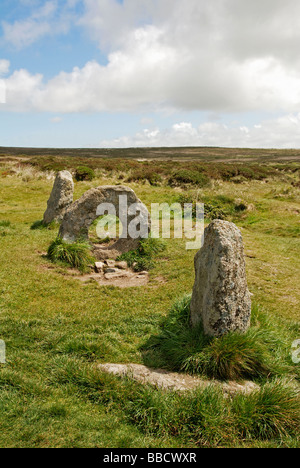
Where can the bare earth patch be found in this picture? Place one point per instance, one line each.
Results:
(121, 276)
(174, 381)
(128, 279)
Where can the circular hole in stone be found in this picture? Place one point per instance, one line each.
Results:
(105, 230)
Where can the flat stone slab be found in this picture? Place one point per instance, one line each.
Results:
(110, 275)
(173, 381)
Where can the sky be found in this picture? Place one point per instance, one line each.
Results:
(140, 73)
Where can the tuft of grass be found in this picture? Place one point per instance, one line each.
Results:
(232, 357)
(257, 354)
(204, 417)
(6, 228)
(274, 411)
(77, 255)
(5, 224)
(201, 415)
(143, 259)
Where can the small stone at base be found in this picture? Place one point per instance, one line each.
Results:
(122, 265)
(99, 266)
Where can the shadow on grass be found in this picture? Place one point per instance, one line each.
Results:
(39, 225)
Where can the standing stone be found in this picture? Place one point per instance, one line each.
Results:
(83, 212)
(61, 197)
(221, 299)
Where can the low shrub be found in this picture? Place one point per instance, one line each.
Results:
(219, 207)
(146, 174)
(189, 177)
(84, 173)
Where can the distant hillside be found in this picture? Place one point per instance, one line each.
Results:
(182, 153)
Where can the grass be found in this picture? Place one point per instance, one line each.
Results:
(57, 329)
(272, 412)
(204, 416)
(5, 224)
(143, 259)
(40, 225)
(258, 354)
(6, 228)
(210, 419)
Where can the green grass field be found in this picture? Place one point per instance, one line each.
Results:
(57, 329)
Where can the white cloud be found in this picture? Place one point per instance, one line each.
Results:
(22, 89)
(282, 132)
(222, 56)
(56, 120)
(192, 55)
(23, 33)
(4, 67)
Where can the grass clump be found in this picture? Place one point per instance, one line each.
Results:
(77, 255)
(204, 417)
(256, 355)
(143, 258)
(232, 357)
(6, 228)
(274, 411)
(209, 419)
(201, 416)
(5, 224)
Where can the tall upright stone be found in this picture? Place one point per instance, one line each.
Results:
(61, 197)
(221, 299)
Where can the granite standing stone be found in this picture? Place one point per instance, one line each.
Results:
(60, 199)
(221, 299)
(83, 212)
